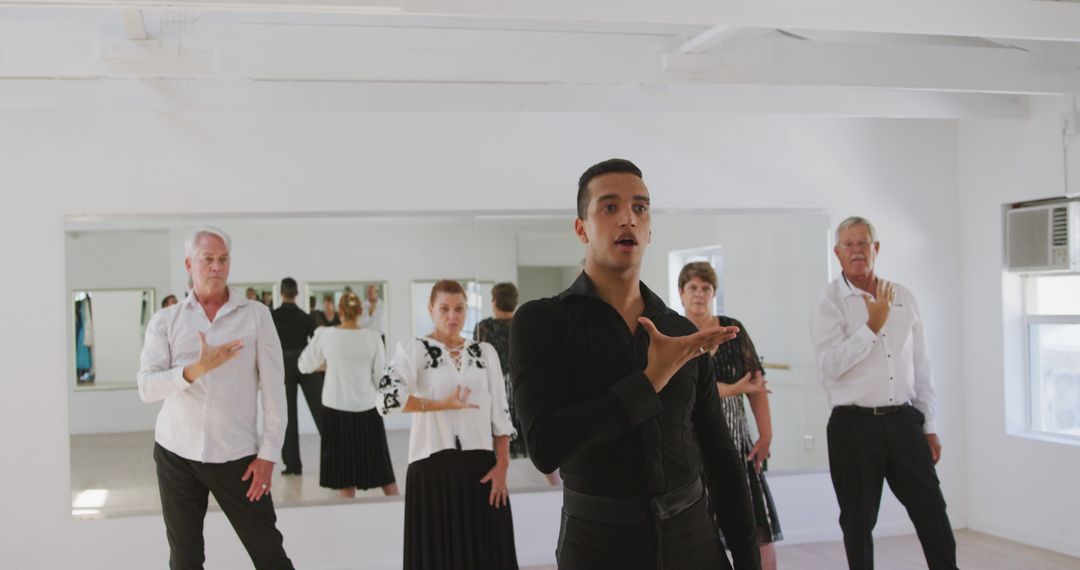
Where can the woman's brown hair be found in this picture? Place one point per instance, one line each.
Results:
(700, 269)
(349, 306)
(447, 286)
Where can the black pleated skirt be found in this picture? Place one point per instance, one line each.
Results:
(448, 521)
(354, 450)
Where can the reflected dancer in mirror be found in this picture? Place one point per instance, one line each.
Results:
(354, 450)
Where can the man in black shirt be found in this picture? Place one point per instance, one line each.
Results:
(617, 391)
(294, 328)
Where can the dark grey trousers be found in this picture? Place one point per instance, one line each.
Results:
(185, 486)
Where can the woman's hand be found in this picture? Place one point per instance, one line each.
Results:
(457, 400)
(752, 383)
(497, 477)
(760, 452)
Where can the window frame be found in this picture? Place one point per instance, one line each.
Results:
(1031, 360)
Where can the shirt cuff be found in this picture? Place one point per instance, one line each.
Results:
(638, 398)
(867, 335)
(930, 426)
(178, 379)
(268, 454)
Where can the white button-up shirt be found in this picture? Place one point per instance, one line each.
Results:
(355, 360)
(871, 370)
(372, 321)
(424, 367)
(213, 419)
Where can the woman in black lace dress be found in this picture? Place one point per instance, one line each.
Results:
(738, 372)
(496, 332)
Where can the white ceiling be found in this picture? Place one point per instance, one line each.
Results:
(918, 58)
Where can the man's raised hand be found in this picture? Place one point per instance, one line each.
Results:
(667, 354)
(211, 357)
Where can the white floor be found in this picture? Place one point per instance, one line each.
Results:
(975, 551)
(113, 474)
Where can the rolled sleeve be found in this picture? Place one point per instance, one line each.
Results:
(836, 352)
(157, 378)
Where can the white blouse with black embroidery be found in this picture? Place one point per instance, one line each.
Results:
(426, 368)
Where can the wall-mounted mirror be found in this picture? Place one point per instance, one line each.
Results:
(107, 332)
(771, 267)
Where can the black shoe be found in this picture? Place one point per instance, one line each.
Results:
(288, 471)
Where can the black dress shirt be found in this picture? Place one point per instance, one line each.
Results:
(586, 407)
(294, 326)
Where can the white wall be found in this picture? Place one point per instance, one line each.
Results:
(900, 173)
(1021, 488)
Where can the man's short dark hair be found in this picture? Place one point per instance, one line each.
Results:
(505, 296)
(289, 288)
(607, 167)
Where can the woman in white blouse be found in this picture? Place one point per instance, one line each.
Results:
(457, 509)
(354, 450)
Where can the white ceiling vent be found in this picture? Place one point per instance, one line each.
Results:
(1043, 238)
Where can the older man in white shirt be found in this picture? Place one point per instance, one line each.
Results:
(209, 357)
(871, 351)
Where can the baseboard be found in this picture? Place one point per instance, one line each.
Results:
(833, 533)
(1065, 544)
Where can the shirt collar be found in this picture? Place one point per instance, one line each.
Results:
(846, 288)
(235, 300)
(584, 287)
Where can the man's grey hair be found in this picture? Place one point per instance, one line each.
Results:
(848, 224)
(193, 239)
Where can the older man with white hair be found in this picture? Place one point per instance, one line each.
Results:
(872, 354)
(209, 357)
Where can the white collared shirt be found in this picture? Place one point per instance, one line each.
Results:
(871, 370)
(369, 320)
(213, 419)
(424, 367)
(355, 360)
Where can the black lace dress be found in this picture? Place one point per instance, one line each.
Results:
(733, 360)
(496, 332)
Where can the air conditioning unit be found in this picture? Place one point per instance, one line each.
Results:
(1043, 238)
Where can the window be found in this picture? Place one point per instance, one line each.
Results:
(1053, 325)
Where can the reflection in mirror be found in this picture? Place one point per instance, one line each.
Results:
(323, 298)
(265, 293)
(108, 327)
(773, 265)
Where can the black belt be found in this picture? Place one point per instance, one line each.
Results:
(632, 510)
(878, 411)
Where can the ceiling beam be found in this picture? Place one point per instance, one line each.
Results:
(708, 39)
(1006, 19)
(882, 66)
(161, 95)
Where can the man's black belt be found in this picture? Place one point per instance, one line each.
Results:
(878, 411)
(632, 510)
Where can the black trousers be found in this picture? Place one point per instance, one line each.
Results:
(687, 541)
(184, 486)
(312, 385)
(865, 450)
